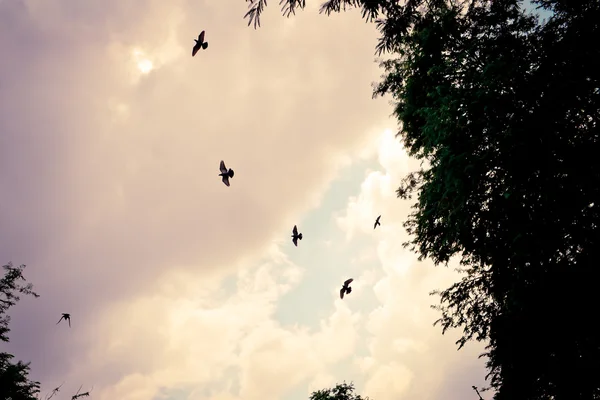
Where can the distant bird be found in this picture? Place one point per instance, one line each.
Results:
(225, 173)
(377, 222)
(296, 236)
(199, 43)
(66, 317)
(346, 289)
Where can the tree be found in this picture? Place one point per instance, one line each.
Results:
(14, 378)
(503, 111)
(342, 391)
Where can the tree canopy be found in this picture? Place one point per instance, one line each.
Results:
(341, 391)
(503, 110)
(14, 378)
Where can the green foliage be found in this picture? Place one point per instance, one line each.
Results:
(342, 391)
(14, 378)
(392, 18)
(503, 112)
(14, 381)
(10, 288)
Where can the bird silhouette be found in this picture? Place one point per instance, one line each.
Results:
(296, 236)
(225, 173)
(346, 289)
(66, 317)
(200, 43)
(377, 222)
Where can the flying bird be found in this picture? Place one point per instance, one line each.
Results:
(66, 317)
(377, 222)
(199, 43)
(296, 236)
(346, 289)
(225, 173)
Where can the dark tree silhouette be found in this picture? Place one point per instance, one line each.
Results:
(14, 378)
(341, 391)
(503, 110)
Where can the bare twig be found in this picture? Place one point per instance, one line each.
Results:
(477, 391)
(53, 393)
(84, 394)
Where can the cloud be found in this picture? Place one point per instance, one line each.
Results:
(387, 379)
(407, 357)
(110, 172)
(193, 338)
(111, 140)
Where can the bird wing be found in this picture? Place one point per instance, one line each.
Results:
(61, 318)
(222, 167)
(295, 230)
(376, 222)
(69, 322)
(349, 281)
(196, 48)
(226, 180)
(295, 240)
(201, 37)
(342, 290)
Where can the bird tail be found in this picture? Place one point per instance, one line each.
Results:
(204, 45)
(230, 173)
(300, 236)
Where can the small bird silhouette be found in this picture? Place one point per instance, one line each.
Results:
(377, 222)
(346, 289)
(66, 317)
(225, 173)
(296, 236)
(199, 43)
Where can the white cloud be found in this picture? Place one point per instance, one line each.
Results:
(190, 334)
(404, 349)
(378, 190)
(172, 279)
(389, 381)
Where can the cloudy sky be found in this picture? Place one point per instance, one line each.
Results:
(180, 287)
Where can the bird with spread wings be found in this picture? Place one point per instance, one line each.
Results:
(200, 43)
(377, 222)
(346, 289)
(66, 317)
(296, 236)
(225, 173)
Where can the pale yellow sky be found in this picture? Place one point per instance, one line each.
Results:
(178, 286)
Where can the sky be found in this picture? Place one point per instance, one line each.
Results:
(180, 288)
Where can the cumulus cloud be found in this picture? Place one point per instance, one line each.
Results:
(111, 137)
(407, 357)
(196, 338)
